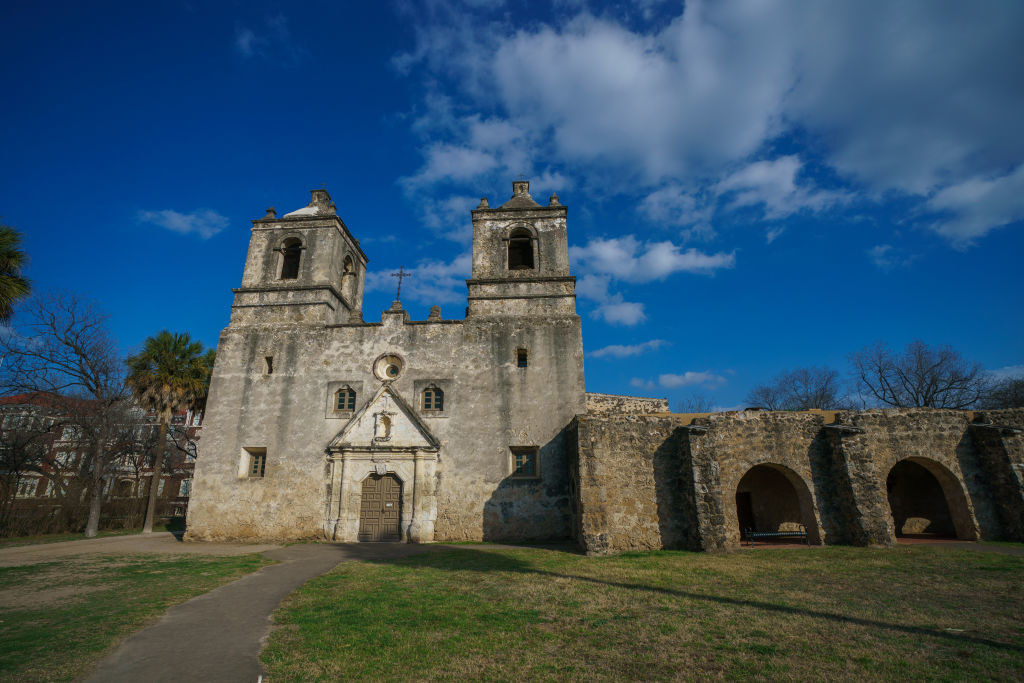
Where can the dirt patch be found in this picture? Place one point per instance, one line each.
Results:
(56, 596)
(160, 543)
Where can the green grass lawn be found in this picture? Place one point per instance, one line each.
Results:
(907, 612)
(58, 619)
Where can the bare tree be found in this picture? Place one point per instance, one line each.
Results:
(801, 389)
(1007, 393)
(695, 403)
(921, 377)
(61, 348)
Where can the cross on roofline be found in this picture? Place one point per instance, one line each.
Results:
(402, 273)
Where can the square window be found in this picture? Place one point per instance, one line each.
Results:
(525, 463)
(257, 463)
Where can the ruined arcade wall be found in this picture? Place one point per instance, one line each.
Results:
(671, 481)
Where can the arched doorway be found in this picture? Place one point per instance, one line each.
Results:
(927, 501)
(772, 497)
(380, 510)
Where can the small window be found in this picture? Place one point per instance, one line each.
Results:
(291, 253)
(257, 462)
(346, 400)
(522, 358)
(270, 365)
(525, 463)
(520, 250)
(433, 399)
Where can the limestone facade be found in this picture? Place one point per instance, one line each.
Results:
(510, 375)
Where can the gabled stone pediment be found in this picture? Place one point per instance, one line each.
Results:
(385, 422)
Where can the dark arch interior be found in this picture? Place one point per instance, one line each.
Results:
(766, 500)
(290, 263)
(520, 250)
(918, 503)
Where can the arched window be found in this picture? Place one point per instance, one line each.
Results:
(520, 250)
(345, 399)
(433, 398)
(291, 252)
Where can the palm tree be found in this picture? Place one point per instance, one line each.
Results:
(170, 374)
(12, 259)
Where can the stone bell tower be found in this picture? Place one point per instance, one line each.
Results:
(521, 258)
(303, 267)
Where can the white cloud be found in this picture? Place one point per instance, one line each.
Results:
(203, 222)
(1007, 372)
(640, 383)
(773, 185)
(431, 281)
(888, 257)
(978, 205)
(626, 350)
(873, 91)
(773, 234)
(631, 260)
(689, 378)
(272, 40)
(617, 311)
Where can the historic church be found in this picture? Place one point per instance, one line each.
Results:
(324, 424)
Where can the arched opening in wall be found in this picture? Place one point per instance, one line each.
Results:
(927, 501)
(291, 255)
(773, 498)
(380, 510)
(520, 250)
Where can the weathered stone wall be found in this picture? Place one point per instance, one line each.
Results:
(614, 404)
(836, 466)
(630, 495)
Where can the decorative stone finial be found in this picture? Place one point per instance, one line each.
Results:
(554, 200)
(435, 313)
(483, 203)
(271, 213)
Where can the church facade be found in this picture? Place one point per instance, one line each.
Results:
(321, 424)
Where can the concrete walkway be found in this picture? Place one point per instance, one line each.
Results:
(218, 636)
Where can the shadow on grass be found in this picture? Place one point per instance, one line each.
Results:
(468, 558)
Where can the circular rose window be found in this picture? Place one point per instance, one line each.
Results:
(388, 367)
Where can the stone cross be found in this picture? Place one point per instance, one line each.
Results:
(400, 274)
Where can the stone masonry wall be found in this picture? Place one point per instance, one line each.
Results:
(647, 482)
(613, 404)
(629, 495)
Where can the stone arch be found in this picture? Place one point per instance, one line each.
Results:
(776, 499)
(925, 497)
(291, 258)
(520, 249)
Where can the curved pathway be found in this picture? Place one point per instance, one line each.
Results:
(218, 636)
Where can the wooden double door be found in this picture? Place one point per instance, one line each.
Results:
(381, 509)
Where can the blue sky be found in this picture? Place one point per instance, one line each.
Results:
(752, 186)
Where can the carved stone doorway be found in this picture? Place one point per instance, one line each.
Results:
(380, 510)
